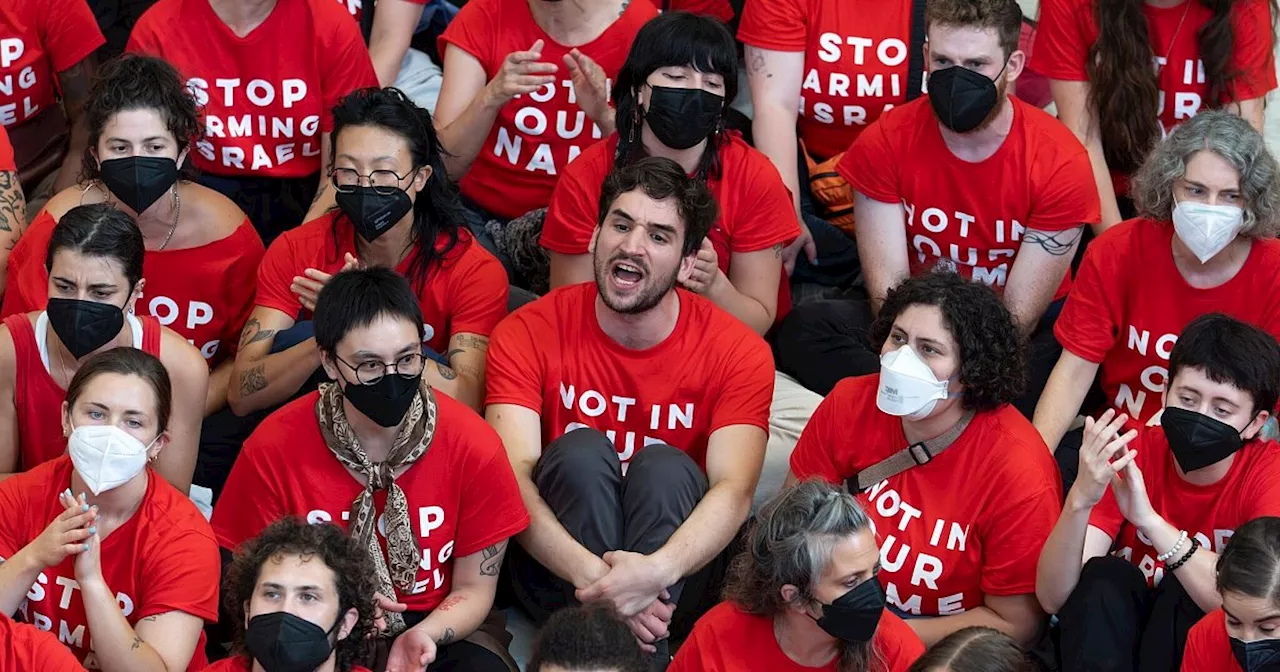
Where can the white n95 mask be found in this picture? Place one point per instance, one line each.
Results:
(106, 456)
(908, 387)
(1206, 229)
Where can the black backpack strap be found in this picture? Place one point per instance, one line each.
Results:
(915, 51)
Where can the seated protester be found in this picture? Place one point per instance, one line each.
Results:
(137, 561)
(94, 263)
(300, 597)
(1165, 498)
(525, 91)
(265, 75)
(379, 448)
(975, 649)
(27, 647)
(396, 64)
(1209, 198)
(673, 96)
(925, 179)
(633, 482)
(589, 638)
(48, 66)
(951, 362)
(803, 595)
(396, 209)
(1121, 74)
(13, 205)
(201, 251)
(1242, 634)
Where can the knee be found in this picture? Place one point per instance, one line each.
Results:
(1105, 582)
(582, 455)
(665, 466)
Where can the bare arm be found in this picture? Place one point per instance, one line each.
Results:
(216, 397)
(1197, 575)
(570, 269)
(463, 379)
(1062, 397)
(882, 246)
(750, 291)
(8, 412)
(74, 84)
(775, 77)
(324, 195)
(545, 538)
(1075, 111)
(393, 26)
(190, 374)
(1042, 262)
(161, 643)
(465, 110)
(260, 379)
(17, 575)
(13, 219)
(1017, 616)
(1252, 111)
(1072, 543)
(475, 582)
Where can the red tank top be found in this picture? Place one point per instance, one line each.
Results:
(37, 398)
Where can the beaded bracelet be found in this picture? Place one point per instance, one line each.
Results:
(1195, 546)
(1164, 557)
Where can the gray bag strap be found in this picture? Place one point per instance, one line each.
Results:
(913, 455)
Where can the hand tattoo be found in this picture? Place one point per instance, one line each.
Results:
(1056, 243)
(254, 380)
(492, 561)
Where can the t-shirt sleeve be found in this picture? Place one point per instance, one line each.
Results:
(779, 25)
(814, 455)
(7, 162)
(142, 39)
(1066, 195)
(514, 368)
(68, 31)
(17, 517)
(1106, 515)
(746, 390)
(182, 575)
(1014, 534)
(494, 512)
(871, 164)
(249, 502)
(898, 643)
(345, 60)
(275, 275)
(479, 296)
(1090, 320)
(766, 216)
(474, 32)
(1254, 63)
(1061, 47)
(575, 207)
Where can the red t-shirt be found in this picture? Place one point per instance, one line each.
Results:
(534, 136)
(1209, 645)
(162, 559)
(728, 639)
(268, 96)
(551, 356)
(27, 647)
(1211, 513)
(290, 471)
(971, 216)
(856, 61)
(7, 161)
(204, 293)
(245, 664)
(755, 206)
(38, 40)
(37, 397)
(465, 294)
(945, 542)
(1130, 303)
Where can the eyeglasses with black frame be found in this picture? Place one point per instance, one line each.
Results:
(371, 371)
(384, 182)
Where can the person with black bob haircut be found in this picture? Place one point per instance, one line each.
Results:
(94, 265)
(975, 649)
(381, 453)
(1129, 567)
(1242, 634)
(299, 597)
(589, 638)
(397, 209)
(951, 361)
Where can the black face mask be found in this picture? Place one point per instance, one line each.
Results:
(962, 98)
(385, 401)
(373, 214)
(1197, 440)
(854, 616)
(681, 118)
(139, 181)
(1260, 656)
(84, 326)
(282, 642)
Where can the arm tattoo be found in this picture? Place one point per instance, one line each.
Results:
(137, 641)
(757, 65)
(1056, 243)
(446, 372)
(777, 251)
(447, 637)
(450, 602)
(253, 381)
(468, 341)
(12, 206)
(492, 561)
(253, 332)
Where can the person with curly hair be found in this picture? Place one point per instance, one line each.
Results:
(803, 595)
(300, 597)
(975, 649)
(1242, 634)
(589, 638)
(956, 480)
(1205, 240)
(1129, 567)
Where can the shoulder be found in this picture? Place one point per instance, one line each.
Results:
(1015, 450)
(286, 422)
(214, 212)
(307, 238)
(1268, 250)
(31, 486)
(171, 516)
(178, 355)
(330, 16)
(466, 428)
(911, 116)
(64, 200)
(718, 326)
(1132, 236)
(594, 162)
(568, 301)
(1046, 134)
(897, 641)
(738, 156)
(158, 15)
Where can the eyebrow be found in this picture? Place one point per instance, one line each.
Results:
(375, 159)
(96, 285)
(619, 212)
(1193, 183)
(366, 353)
(270, 584)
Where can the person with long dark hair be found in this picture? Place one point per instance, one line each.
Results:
(396, 208)
(1242, 634)
(1124, 72)
(672, 95)
(975, 649)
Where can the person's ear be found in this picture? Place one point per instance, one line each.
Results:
(1255, 426)
(182, 157)
(791, 597)
(591, 246)
(66, 420)
(330, 366)
(246, 615)
(686, 266)
(420, 179)
(349, 621)
(1013, 70)
(131, 305)
(161, 441)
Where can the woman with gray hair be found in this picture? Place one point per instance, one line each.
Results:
(1208, 200)
(803, 595)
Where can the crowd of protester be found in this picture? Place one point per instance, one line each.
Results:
(705, 336)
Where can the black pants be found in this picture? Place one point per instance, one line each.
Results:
(822, 342)
(273, 204)
(1113, 622)
(580, 478)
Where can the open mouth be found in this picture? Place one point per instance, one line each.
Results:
(627, 274)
